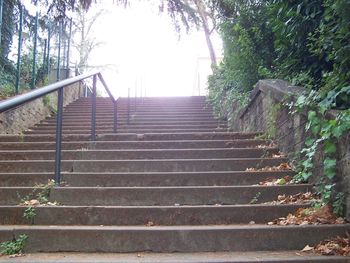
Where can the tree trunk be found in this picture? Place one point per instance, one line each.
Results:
(204, 17)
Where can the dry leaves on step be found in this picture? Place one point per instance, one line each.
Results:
(334, 246)
(276, 181)
(299, 198)
(279, 155)
(307, 248)
(281, 167)
(309, 216)
(265, 146)
(32, 202)
(150, 223)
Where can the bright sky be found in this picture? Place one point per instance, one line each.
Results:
(148, 53)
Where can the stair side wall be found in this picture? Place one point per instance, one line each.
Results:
(17, 120)
(266, 112)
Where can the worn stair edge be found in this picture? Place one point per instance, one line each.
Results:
(135, 144)
(132, 136)
(170, 238)
(214, 178)
(152, 165)
(108, 154)
(145, 196)
(143, 215)
(204, 257)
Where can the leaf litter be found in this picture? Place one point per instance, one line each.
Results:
(277, 181)
(310, 216)
(281, 167)
(336, 246)
(299, 198)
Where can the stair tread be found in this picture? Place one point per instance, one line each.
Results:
(203, 257)
(246, 227)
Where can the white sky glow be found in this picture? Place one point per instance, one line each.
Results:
(148, 54)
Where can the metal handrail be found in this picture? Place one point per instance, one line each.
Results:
(59, 86)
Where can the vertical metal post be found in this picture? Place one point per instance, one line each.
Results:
(93, 115)
(135, 98)
(115, 116)
(68, 47)
(58, 137)
(19, 49)
(128, 117)
(1, 7)
(58, 73)
(48, 49)
(45, 50)
(32, 86)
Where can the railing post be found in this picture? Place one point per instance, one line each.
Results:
(115, 116)
(128, 113)
(135, 99)
(68, 46)
(58, 137)
(32, 86)
(93, 111)
(58, 73)
(19, 48)
(48, 49)
(1, 7)
(45, 50)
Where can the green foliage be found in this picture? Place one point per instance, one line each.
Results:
(323, 132)
(14, 246)
(271, 128)
(339, 204)
(223, 92)
(306, 42)
(48, 102)
(30, 214)
(255, 199)
(41, 193)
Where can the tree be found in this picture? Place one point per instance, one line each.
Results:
(83, 41)
(198, 13)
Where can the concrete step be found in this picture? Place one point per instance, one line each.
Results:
(170, 238)
(143, 117)
(203, 257)
(143, 215)
(134, 122)
(184, 136)
(177, 144)
(6, 138)
(159, 126)
(131, 136)
(147, 196)
(154, 165)
(104, 154)
(126, 130)
(214, 178)
(149, 111)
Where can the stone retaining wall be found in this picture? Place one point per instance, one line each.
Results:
(266, 112)
(17, 120)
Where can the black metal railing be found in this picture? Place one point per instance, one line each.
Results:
(138, 99)
(59, 87)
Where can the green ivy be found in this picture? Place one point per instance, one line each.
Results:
(323, 132)
(14, 246)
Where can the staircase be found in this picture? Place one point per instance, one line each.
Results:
(171, 180)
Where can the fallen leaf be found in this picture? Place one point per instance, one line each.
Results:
(307, 248)
(150, 223)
